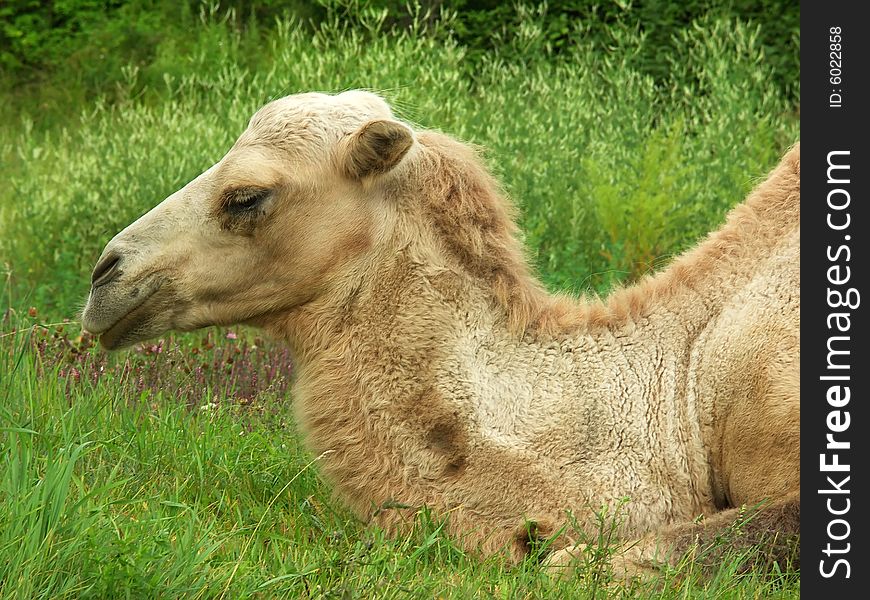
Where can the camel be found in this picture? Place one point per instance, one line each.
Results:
(434, 370)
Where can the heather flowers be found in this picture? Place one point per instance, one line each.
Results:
(213, 367)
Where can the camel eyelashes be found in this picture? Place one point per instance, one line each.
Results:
(242, 200)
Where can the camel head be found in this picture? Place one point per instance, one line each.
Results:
(270, 227)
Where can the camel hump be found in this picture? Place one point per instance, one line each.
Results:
(793, 158)
(775, 202)
(789, 168)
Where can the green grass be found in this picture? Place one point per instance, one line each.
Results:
(106, 493)
(112, 488)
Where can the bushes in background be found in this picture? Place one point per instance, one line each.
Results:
(81, 44)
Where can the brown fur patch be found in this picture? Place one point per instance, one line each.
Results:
(448, 438)
(475, 222)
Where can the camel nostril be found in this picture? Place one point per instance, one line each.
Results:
(106, 270)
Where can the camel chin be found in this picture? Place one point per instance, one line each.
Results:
(122, 317)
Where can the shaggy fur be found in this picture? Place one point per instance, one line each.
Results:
(438, 372)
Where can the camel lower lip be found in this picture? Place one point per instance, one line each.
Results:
(114, 332)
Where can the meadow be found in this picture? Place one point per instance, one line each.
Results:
(175, 469)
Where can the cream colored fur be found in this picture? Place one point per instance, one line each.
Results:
(437, 370)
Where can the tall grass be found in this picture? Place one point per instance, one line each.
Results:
(612, 173)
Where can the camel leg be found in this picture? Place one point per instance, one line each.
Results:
(759, 536)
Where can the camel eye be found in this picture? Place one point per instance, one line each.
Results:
(244, 200)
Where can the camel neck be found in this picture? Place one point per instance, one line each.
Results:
(425, 374)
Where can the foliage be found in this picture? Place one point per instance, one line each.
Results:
(486, 26)
(82, 44)
(612, 175)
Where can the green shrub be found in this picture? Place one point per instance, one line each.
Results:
(81, 44)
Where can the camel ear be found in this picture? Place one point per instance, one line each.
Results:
(376, 147)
